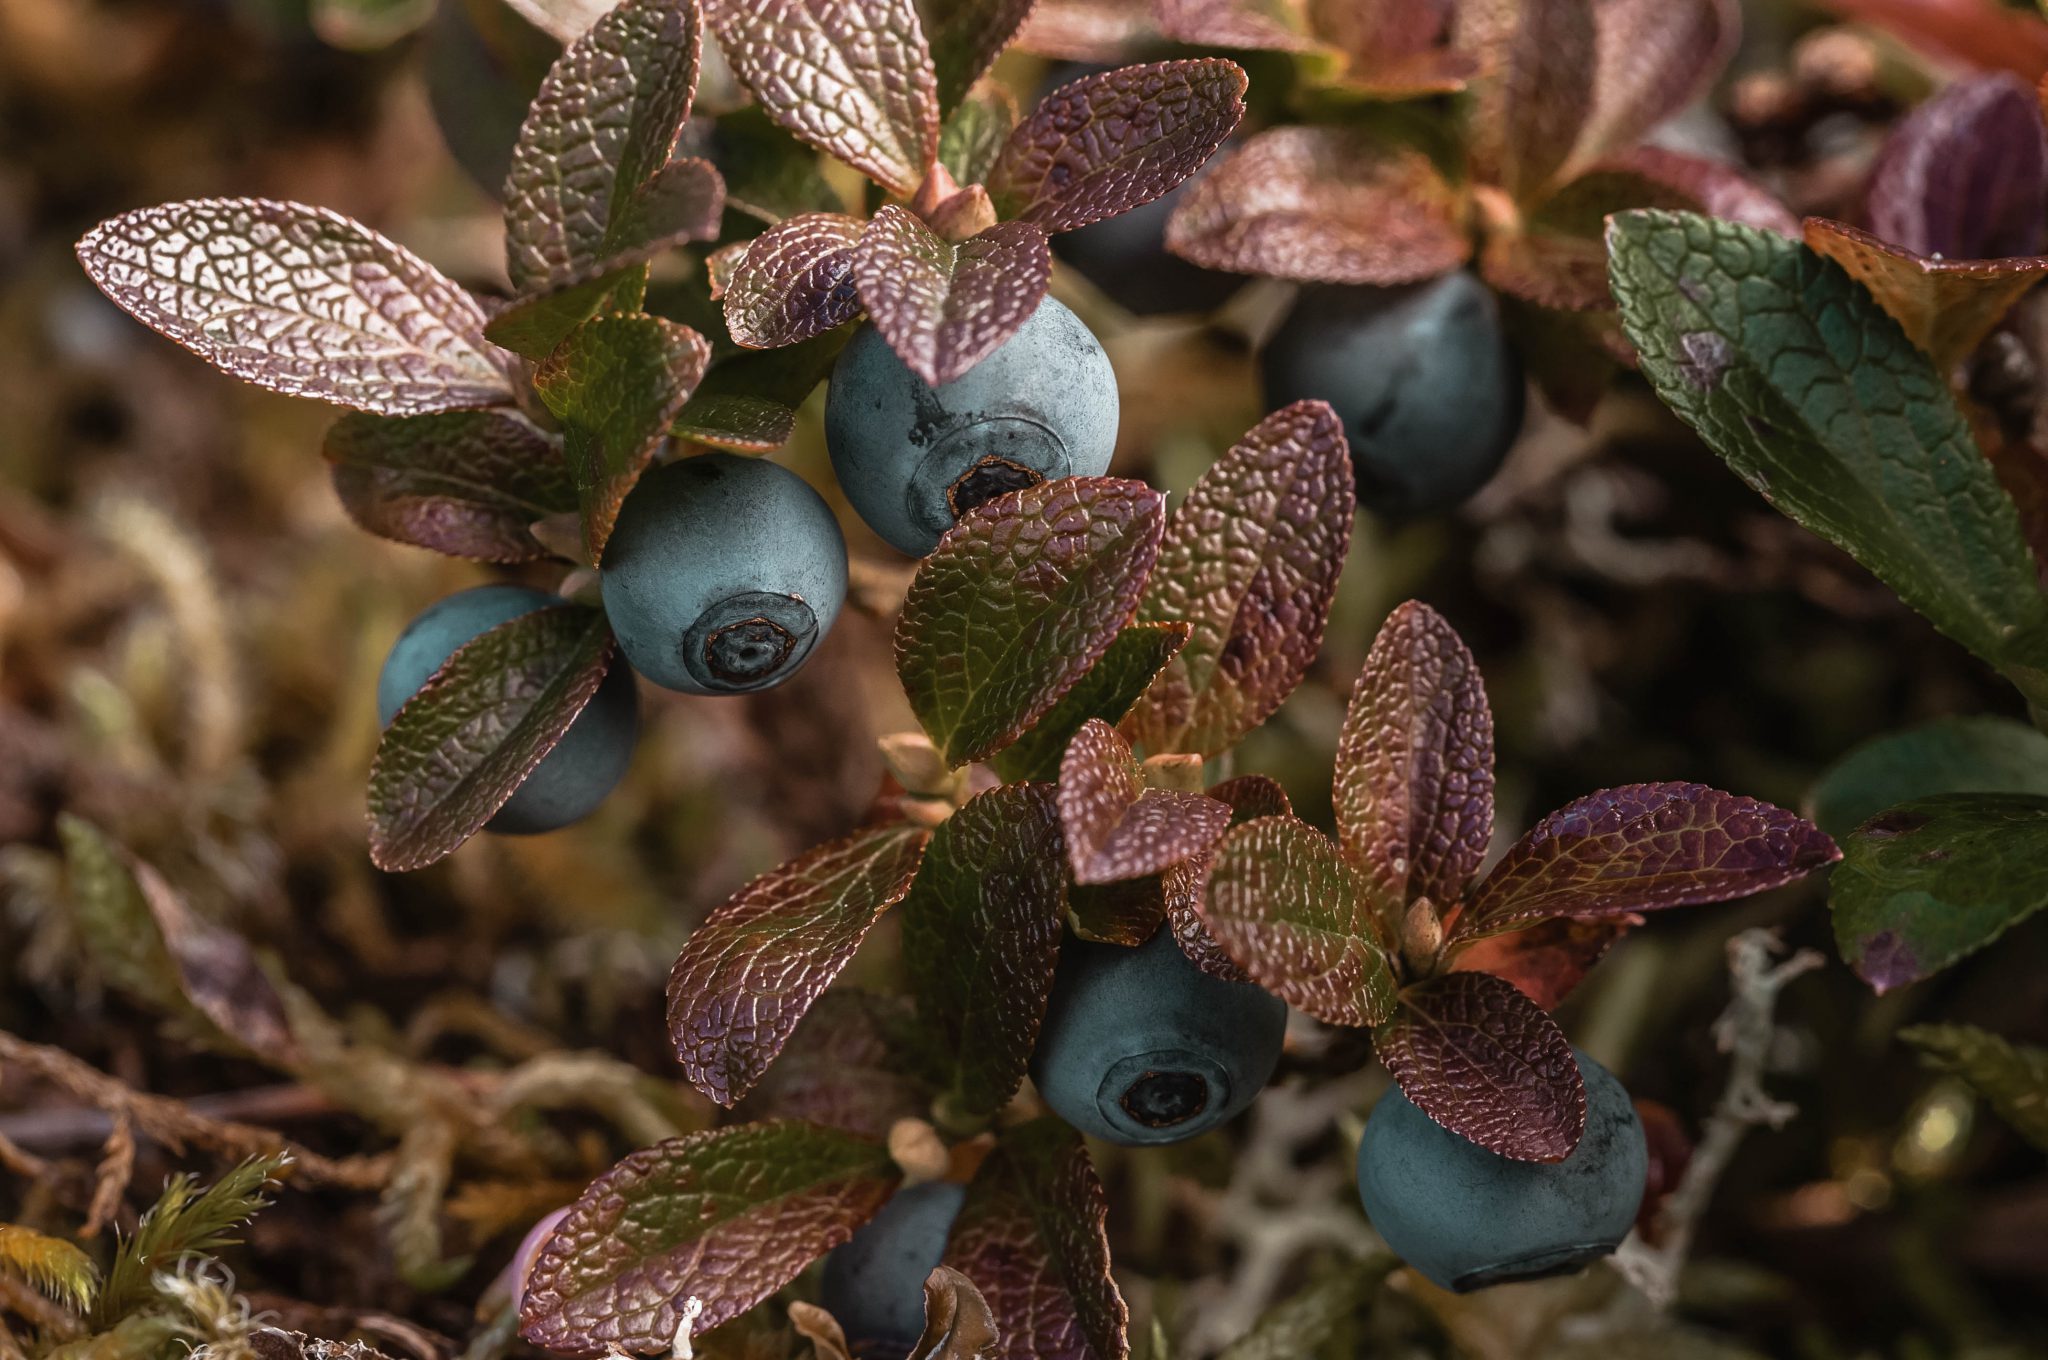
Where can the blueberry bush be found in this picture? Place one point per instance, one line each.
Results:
(1102, 862)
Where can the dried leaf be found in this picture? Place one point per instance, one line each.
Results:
(1946, 307)
(1107, 692)
(1965, 175)
(725, 1217)
(1476, 1056)
(966, 36)
(465, 483)
(1285, 905)
(1032, 1237)
(981, 931)
(1547, 960)
(943, 307)
(1644, 847)
(1533, 98)
(1323, 205)
(299, 300)
(1110, 142)
(795, 281)
(465, 742)
(850, 77)
(1652, 59)
(1183, 886)
(1250, 560)
(1414, 788)
(1115, 828)
(1017, 602)
(958, 1324)
(750, 972)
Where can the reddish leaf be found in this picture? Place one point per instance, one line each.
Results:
(1126, 912)
(1653, 58)
(1250, 560)
(944, 308)
(1032, 1236)
(1946, 307)
(1397, 48)
(299, 300)
(1288, 909)
(795, 281)
(1643, 847)
(1115, 827)
(465, 483)
(599, 133)
(1414, 788)
(1107, 691)
(1713, 188)
(725, 1217)
(616, 384)
(850, 77)
(1017, 602)
(966, 36)
(1100, 31)
(1107, 143)
(1183, 886)
(1534, 98)
(1323, 205)
(466, 741)
(1969, 33)
(1547, 960)
(1261, 25)
(845, 1067)
(748, 974)
(981, 932)
(1476, 1056)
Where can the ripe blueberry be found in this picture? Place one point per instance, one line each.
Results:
(722, 573)
(1468, 1218)
(589, 760)
(1139, 1046)
(1126, 257)
(874, 1282)
(1428, 388)
(913, 458)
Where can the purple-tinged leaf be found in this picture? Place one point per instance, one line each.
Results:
(1932, 881)
(616, 384)
(299, 300)
(1017, 602)
(1397, 48)
(1032, 1236)
(725, 1218)
(1104, 32)
(846, 1067)
(795, 281)
(749, 973)
(1250, 560)
(1652, 59)
(466, 483)
(1716, 189)
(1946, 307)
(1126, 912)
(685, 201)
(1323, 205)
(599, 133)
(981, 933)
(1534, 99)
(1547, 960)
(967, 212)
(1116, 828)
(958, 1324)
(1965, 175)
(943, 307)
(1107, 692)
(1260, 25)
(1479, 1058)
(1107, 143)
(1965, 33)
(1287, 907)
(852, 78)
(1643, 847)
(966, 37)
(1414, 787)
(465, 742)
(1250, 796)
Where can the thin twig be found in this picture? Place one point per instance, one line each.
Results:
(116, 1169)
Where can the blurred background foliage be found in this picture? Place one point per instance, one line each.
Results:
(189, 636)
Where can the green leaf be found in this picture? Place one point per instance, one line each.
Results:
(1107, 692)
(748, 402)
(616, 384)
(532, 326)
(1814, 396)
(769, 175)
(2013, 1079)
(465, 742)
(1305, 1324)
(981, 933)
(1948, 755)
(966, 37)
(1017, 602)
(975, 132)
(1931, 881)
(725, 1217)
(184, 1221)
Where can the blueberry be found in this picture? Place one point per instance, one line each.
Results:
(1139, 1046)
(1468, 1218)
(1126, 257)
(589, 760)
(912, 458)
(874, 1282)
(722, 574)
(1428, 388)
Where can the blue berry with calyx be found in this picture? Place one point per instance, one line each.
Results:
(589, 760)
(1141, 1047)
(1423, 377)
(722, 574)
(1467, 1218)
(913, 458)
(874, 1281)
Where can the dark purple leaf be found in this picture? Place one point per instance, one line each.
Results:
(466, 483)
(943, 307)
(795, 281)
(1184, 885)
(1965, 175)
(1478, 1057)
(1547, 960)
(1116, 828)
(846, 1067)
